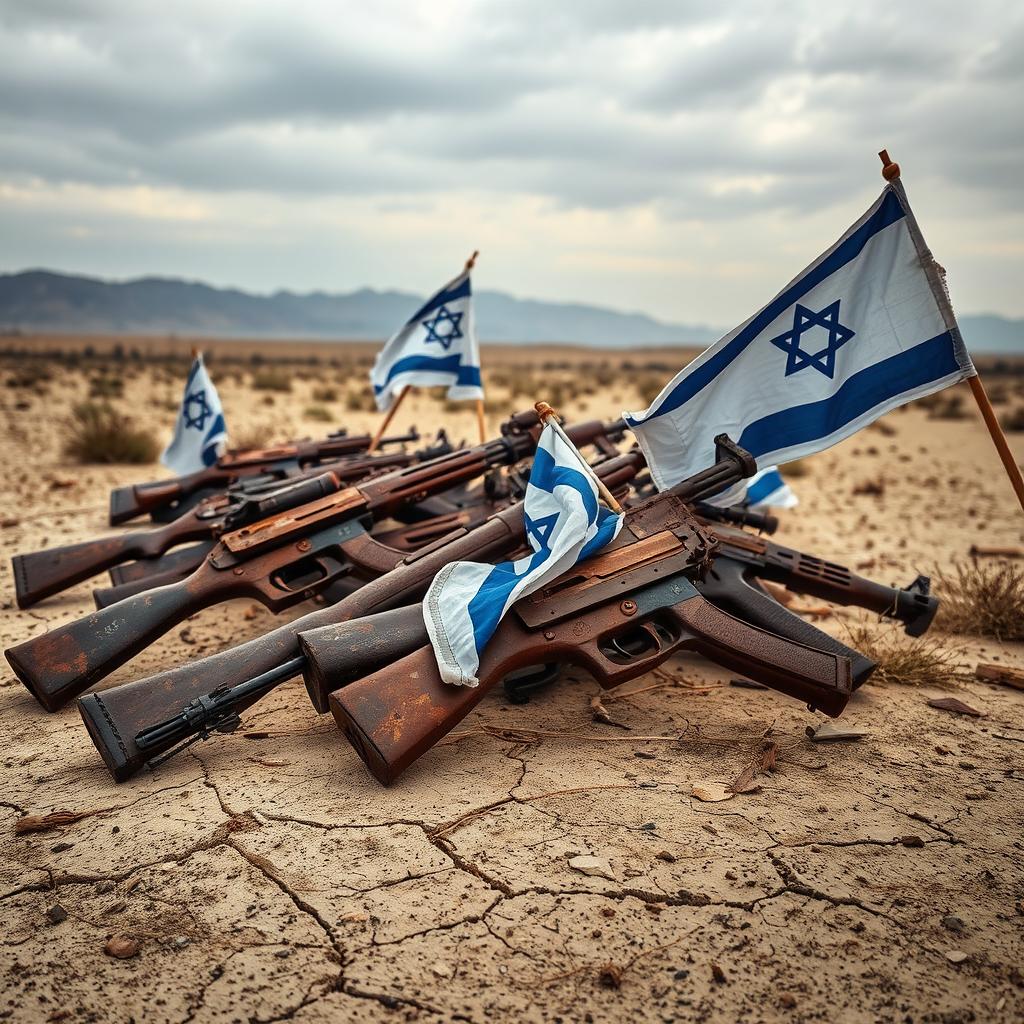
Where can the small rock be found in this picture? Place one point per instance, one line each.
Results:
(61, 847)
(711, 792)
(595, 867)
(122, 947)
(354, 917)
(610, 976)
(668, 858)
(828, 731)
(283, 954)
(180, 941)
(954, 706)
(787, 1000)
(441, 970)
(105, 885)
(956, 956)
(718, 974)
(953, 923)
(56, 914)
(645, 755)
(610, 912)
(912, 842)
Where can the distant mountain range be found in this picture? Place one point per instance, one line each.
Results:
(43, 301)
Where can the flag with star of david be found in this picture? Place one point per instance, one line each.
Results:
(435, 347)
(564, 525)
(866, 327)
(200, 434)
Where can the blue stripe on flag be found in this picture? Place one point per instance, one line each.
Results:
(760, 489)
(461, 291)
(889, 211)
(930, 361)
(466, 376)
(489, 601)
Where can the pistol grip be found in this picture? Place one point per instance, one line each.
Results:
(820, 678)
(728, 587)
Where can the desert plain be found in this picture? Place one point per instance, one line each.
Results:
(265, 876)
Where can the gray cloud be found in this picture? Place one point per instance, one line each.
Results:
(681, 113)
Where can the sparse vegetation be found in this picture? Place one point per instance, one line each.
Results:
(904, 661)
(360, 401)
(325, 394)
(106, 387)
(256, 435)
(272, 380)
(982, 599)
(947, 407)
(1013, 422)
(318, 412)
(98, 433)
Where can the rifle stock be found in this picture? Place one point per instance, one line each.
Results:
(184, 560)
(40, 574)
(395, 714)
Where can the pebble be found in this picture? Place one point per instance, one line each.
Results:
(122, 947)
(104, 886)
(956, 956)
(953, 923)
(56, 914)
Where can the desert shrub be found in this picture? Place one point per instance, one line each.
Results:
(947, 407)
(272, 380)
(30, 375)
(268, 400)
(106, 387)
(982, 599)
(1013, 422)
(256, 435)
(98, 433)
(649, 387)
(906, 661)
(360, 401)
(318, 412)
(325, 394)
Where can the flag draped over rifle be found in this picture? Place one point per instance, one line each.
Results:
(436, 347)
(200, 434)
(767, 489)
(866, 327)
(564, 524)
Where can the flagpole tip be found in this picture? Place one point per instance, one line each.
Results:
(545, 412)
(890, 169)
(471, 262)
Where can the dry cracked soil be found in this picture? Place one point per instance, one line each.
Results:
(268, 879)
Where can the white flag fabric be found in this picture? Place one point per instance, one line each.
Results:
(564, 524)
(200, 434)
(866, 327)
(436, 347)
(767, 489)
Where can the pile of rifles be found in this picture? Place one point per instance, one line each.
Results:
(361, 536)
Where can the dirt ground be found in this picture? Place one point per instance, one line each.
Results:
(273, 879)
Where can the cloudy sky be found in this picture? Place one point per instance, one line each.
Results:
(681, 158)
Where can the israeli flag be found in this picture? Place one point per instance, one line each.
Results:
(564, 524)
(200, 434)
(436, 347)
(767, 489)
(866, 327)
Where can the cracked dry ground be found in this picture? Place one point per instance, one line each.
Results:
(271, 879)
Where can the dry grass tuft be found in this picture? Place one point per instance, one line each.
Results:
(325, 394)
(905, 661)
(106, 387)
(360, 401)
(947, 407)
(982, 599)
(320, 413)
(99, 433)
(257, 435)
(272, 380)
(1013, 422)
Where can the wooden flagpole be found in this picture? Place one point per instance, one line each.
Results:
(470, 264)
(549, 417)
(388, 417)
(891, 173)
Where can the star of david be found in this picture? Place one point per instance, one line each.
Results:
(197, 410)
(804, 319)
(436, 330)
(541, 529)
